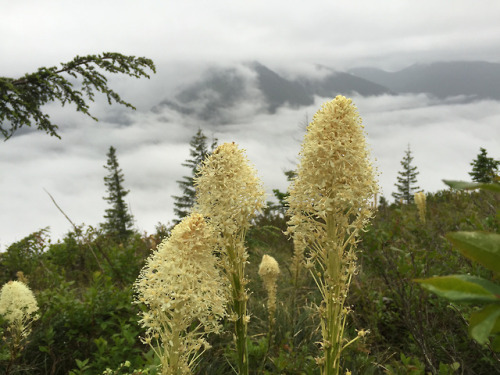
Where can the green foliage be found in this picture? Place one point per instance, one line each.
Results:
(22, 99)
(282, 205)
(483, 248)
(88, 324)
(401, 316)
(463, 288)
(407, 179)
(24, 255)
(463, 185)
(413, 366)
(118, 220)
(484, 169)
(198, 152)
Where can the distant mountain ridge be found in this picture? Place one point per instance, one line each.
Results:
(474, 79)
(220, 90)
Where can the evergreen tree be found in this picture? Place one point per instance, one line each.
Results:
(199, 151)
(118, 219)
(484, 169)
(22, 99)
(407, 180)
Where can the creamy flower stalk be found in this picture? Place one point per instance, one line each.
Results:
(18, 307)
(185, 295)
(269, 271)
(229, 193)
(420, 202)
(299, 248)
(330, 203)
(297, 269)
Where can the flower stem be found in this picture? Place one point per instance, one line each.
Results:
(239, 295)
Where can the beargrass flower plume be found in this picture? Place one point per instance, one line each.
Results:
(330, 203)
(184, 293)
(18, 308)
(229, 194)
(269, 271)
(298, 258)
(228, 190)
(420, 202)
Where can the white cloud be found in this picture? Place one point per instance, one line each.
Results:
(277, 33)
(444, 138)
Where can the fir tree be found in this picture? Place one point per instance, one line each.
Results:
(199, 151)
(407, 180)
(118, 219)
(22, 99)
(484, 169)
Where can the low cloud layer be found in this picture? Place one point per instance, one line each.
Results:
(444, 137)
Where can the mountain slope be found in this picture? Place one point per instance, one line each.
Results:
(474, 79)
(221, 89)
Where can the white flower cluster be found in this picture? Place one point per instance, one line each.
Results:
(17, 303)
(335, 175)
(181, 286)
(228, 190)
(269, 271)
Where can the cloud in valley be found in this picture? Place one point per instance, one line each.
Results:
(200, 45)
(444, 138)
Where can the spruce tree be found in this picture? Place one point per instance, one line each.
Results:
(198, 151)
(118, 219)
(407, 179)
(484, 169)
(22, 100)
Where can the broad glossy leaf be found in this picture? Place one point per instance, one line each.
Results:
(495, 343)
(481, 323)
(482, 247)
(463, 288)
(464, 185)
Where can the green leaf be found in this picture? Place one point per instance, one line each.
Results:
(463, 288)
(481, 247)
(481, 323)
(455, 366)
(495, 343)
(82, 365)
(464, 185)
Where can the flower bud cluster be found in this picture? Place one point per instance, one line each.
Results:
(182, 276)
(421, 206)
(181, 285)
(228, 190)
(329, 204)
(335, 175)
(269, 271)
(18, 304)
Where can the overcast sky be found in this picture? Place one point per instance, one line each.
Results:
(182, 37)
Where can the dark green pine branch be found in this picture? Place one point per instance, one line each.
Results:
(21, 99)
